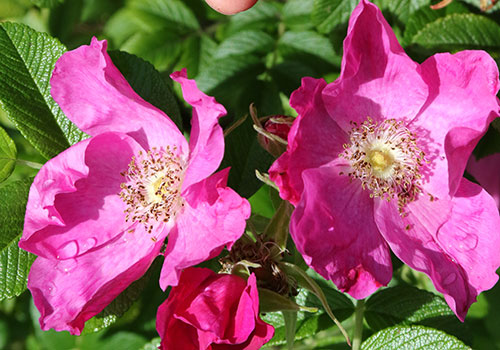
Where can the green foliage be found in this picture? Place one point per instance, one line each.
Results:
(244, 154)
(297, 14)
(28, 58)
(15, 263)
(414, 338)
(406, 305)
(153, 30)
(309, 323)
(327, 14)
(8, 154)
(459, 31)
(244, 43)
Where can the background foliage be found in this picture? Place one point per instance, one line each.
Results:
(259, 57)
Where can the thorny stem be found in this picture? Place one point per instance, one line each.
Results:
(358, 325)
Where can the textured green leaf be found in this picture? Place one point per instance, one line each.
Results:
(412, 338)
(407, 305)
(8, 154)
(328, 14)
(426, 15)
(148, 83)
(244, 43)
(27, 59)
(402, 9)
(459, 31)
(15, 263)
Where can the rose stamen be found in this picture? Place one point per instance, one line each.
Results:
(386, 159)
(152, 187)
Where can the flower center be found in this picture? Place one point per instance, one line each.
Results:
(152, 187)
(386, 159)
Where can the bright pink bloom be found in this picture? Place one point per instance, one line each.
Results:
(487, 172)
(207, 311)
(99, 212)
(375, 162)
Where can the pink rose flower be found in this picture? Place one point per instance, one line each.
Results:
(486, 171)
(211, 311)
(99, 212)
(375, 162)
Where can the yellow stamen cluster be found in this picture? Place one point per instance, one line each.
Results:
(386, 159)
(152, 186)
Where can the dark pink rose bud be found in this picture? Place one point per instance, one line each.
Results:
(212, 311)
(274, 135)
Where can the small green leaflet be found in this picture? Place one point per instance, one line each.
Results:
(8, 154)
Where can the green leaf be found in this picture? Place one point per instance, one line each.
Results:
(262, 15)
(153, 29)
(27, 59)
(196, 55)
(277, 230)
(261, 203)
(15, 263)
(420, 19)
(414, 338)
(244, 155)
(407, 305)
(297, 14)
(244, 43)
(328, 14)
(148, 83)
(402, 9)
(8, 154)
(310, 48)
(225, 75)
(459, 31)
